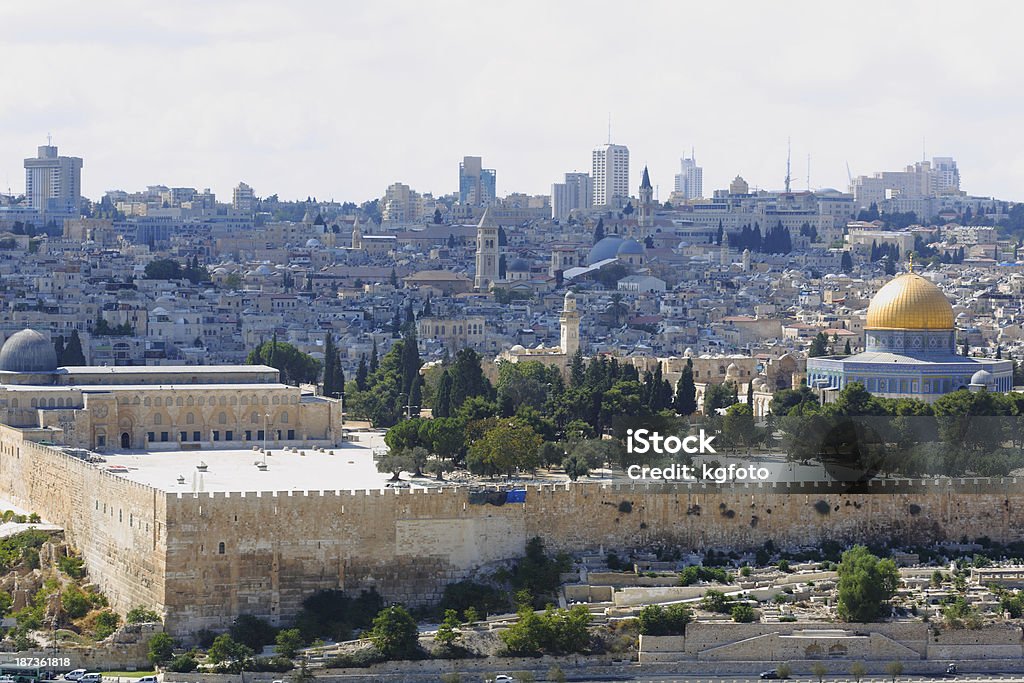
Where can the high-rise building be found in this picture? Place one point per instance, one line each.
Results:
(575, 193)
(53, 184)
(690, 180)
(243, 198)
(920, 180)
(477, 185)
(610, 174)
(487, 252)
(401, 204)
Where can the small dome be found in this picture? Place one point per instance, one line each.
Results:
(982, 378)
(604, 250)
(518, 348)
(264, 270)
(630, 247)
(519, 265)
(688, 353)
(732, 371)
(312, 242)
(28, 351)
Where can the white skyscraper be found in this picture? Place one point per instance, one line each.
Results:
(575, 193)
(690, 182)
(53, 184)
(610, 174)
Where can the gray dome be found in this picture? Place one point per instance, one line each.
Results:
(28, 351)
(519, 264)
(630, 247)
(605, 249)
(981, 377)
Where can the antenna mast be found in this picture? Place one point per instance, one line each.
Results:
(788, 150)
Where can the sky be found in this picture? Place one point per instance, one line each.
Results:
(338, 100)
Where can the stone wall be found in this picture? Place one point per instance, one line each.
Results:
(206, 558)
(118, 525)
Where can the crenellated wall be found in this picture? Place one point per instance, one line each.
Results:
(164, 550)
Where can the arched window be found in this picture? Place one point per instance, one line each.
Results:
(222, 418)
(178, 402)
(254, 418)
(190, 419)
(14, 403)
(220, 548)
(284, 417)
(158, 419)
(35, 403)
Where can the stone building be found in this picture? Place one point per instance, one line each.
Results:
(910, 349)
(156, 407)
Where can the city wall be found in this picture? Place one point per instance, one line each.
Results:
(206, 558)
(279, 547)
(116, 524)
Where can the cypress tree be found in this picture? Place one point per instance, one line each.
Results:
(750, 395)
(361, 374)
(442, 406)
(846, 349)
(577, 370)
(330, 361)
(58, 348)
(374, 361)
(73, 354)
(686, 391)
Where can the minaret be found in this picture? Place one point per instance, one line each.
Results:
(646, 213)
(570, 324)
(746, 260)
(357, 235)
(486, 252)
(723, 251)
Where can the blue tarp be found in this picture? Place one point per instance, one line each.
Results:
(516, 496)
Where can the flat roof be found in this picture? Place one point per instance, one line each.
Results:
(160, 369)
(104, 388)
(351, 468)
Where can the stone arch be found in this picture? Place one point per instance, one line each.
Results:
(190, 418)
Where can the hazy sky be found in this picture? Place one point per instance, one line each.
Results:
(340, 99)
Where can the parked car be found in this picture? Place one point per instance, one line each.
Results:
(75, 675)
(147, 679)
(91, 677)
(503, 678)
(770, 675)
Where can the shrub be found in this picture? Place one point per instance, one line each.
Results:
(695, 573)
(252, 631)
(105, 623)
(395, 633)
(184, 664)
(356, 660)
(75, 603)
(141, 615)
(161, 648)
(288, 642)
(715, 601)
(72, 566)
(226, 650)
(555, 631)
(784, 670)
(462, 595)
(743, 614)
(656, 620)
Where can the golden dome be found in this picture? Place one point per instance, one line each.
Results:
(910, 302)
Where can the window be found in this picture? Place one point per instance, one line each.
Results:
(150, 436)
(229, 435)
(158, 419)
(284, 417)
(216, 435)
(195, 436)
(101, 441)
(190, 419)
(291, 434)
(183, 436)
(220, 548)
(163, 436)
(248, 435)
(260, 435)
